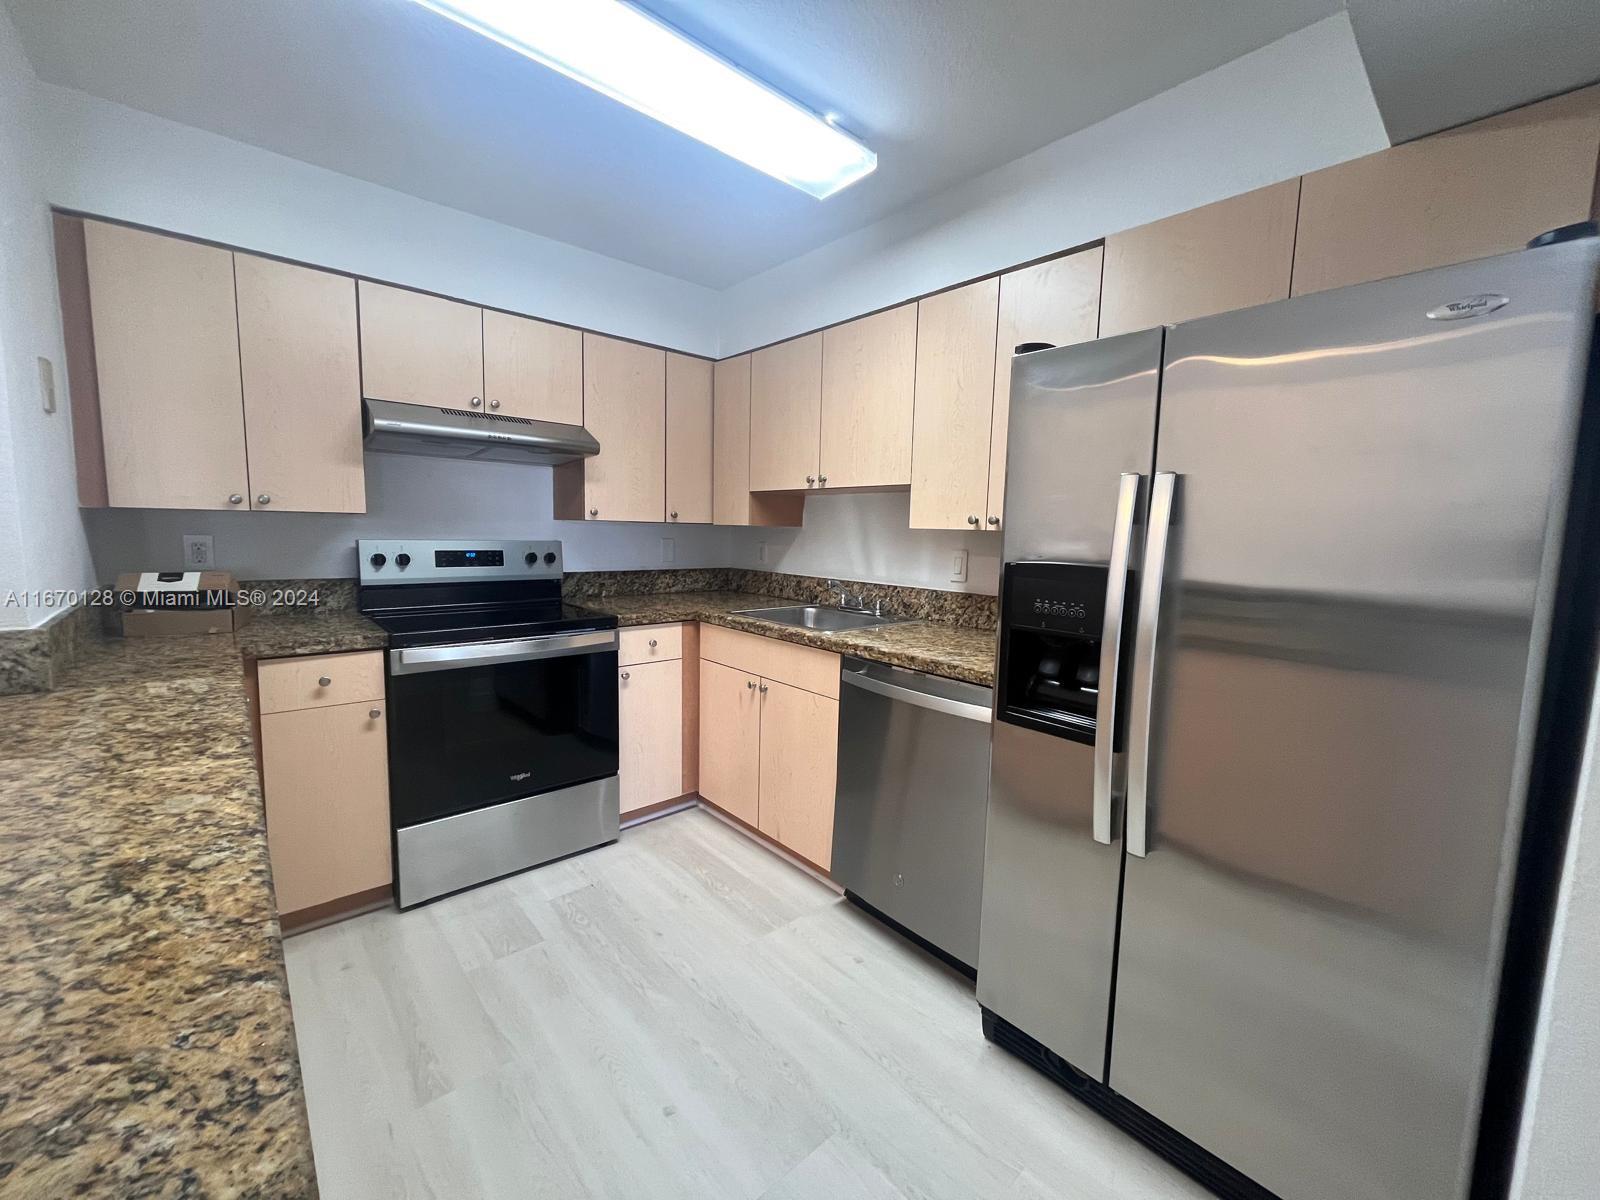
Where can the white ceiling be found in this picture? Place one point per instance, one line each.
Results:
(388, 92)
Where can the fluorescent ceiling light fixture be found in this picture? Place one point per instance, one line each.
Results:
(628, 55)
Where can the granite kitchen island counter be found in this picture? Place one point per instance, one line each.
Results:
(146, 1043)
(954, 651)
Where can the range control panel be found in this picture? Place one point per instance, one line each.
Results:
(436, 560)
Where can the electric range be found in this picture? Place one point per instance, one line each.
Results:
(502, 710)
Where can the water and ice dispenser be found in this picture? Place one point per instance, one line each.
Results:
(1051, 619)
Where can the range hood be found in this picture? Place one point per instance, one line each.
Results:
(392, 428)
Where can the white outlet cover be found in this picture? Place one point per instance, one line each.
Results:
(197, 551)
(958, 567)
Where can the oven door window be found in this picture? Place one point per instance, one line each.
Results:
(474, 736)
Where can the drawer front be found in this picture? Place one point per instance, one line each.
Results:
(290, 683)
(649, 643)
(799, 666)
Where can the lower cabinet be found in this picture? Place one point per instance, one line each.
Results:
(769, 737)
(650, 721)
(325, 770)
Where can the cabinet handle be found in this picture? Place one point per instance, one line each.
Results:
(763, 689)
(324, 681)
(994, 520)
(652, 643)
(972, 520)
(476, 402)
(594, 512)
(494, 404)
(625, 675)
(374, 713)
(236, 498)
(263, 498)
(810, 479)
(823, 480)
(750, 683)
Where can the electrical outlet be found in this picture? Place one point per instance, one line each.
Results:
(761, 553)
(197, 551)
(958, 567)
(47, 384)
(669, 550)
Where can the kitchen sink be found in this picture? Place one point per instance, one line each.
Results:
(818, 616)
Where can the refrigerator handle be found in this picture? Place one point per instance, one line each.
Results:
(1105, 717)
(1142, 692)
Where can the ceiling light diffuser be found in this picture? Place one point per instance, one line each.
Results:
(628, 55)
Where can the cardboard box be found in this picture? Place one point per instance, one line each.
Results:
(196, 602)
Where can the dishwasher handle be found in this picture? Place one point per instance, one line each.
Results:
(907, 695)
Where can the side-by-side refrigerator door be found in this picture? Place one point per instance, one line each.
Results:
(1348, 579)
(1081, 441)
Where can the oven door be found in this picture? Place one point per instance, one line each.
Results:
(483, 723)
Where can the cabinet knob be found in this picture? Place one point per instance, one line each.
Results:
(994, 520)
(594, 512)
(374, 713)
(810, 479)
(972, 520)
(750, 683)
(823, 480)
(263, 498)
(494, 404)
(476, 402)
(625, 675)
(673, 514)
(763, 689)
(236, 498)
(652, 643)
(324, 681)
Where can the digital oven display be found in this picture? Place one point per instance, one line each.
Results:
(469, 558)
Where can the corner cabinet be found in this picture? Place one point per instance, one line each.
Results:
(769, 737)
(208, 379)
(688, 440)
(732, 501)
(625, 408)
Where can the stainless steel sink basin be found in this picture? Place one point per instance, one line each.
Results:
(817, 616)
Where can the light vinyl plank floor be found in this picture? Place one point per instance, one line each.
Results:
(682, 1014)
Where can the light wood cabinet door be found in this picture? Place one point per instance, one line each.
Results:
(785, 414)
(1056, 302)
(325, 772)
(954, 407)
(732, 501)
(166, 346)
(689, 422)
(1481, 189)
(730, 740)
(420, 349)
(532, 369)
(625, 408)
(299, 355)
(650, 722)
(869, 372)
(1232, 254)
(799, 764)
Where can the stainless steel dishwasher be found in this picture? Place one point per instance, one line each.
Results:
(912, 800)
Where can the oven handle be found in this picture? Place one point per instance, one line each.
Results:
(485, 654)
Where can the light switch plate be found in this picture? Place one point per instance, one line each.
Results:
(669, 550)
(47, 384)
(958, 567)
(197, 551)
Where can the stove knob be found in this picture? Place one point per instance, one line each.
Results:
(550, 558)
(377, 560)
(531, 558)
(402, 560)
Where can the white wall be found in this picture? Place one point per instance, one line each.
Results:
(117, 162)
(1559, 1154)
(42, 544)
(1296, 105)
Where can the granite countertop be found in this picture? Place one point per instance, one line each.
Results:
(146, 1042)
(954, 651)
(285, 632)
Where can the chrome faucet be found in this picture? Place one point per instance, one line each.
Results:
(833, 585)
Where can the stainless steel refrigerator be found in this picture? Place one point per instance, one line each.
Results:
(1295, 626)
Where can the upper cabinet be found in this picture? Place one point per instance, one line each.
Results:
(532, 369)
(302, 387)
(1481, 189)
(420, 349)
(1056, 302)
(166, 348)
(954, 406)
(689, 422)
(625, 408)
(869, 371)
(203, 378)
(785, 415)
(733, 503)
(1232, 254)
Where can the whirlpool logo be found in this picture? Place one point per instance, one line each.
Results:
(521, 775)
(1469, 306)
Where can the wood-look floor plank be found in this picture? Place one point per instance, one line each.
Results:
(682, 1014)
